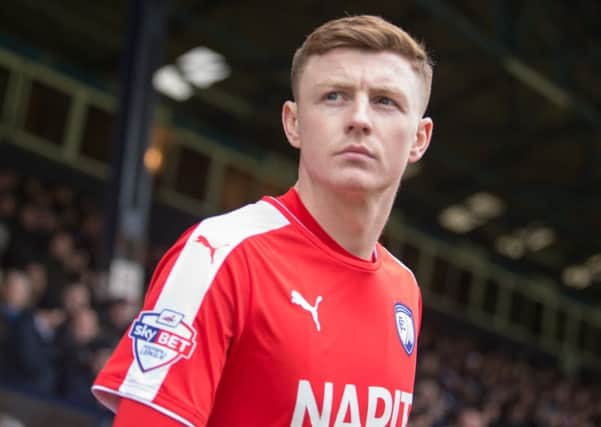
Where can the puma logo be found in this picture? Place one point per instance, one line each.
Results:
(298, 299)
(212, 249)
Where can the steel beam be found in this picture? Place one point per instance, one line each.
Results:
(130, 185)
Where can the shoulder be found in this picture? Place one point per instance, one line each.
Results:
(204, 247)
(409, 306)
(233, 227)
(397, 264)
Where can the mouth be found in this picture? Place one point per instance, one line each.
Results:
(357, 150)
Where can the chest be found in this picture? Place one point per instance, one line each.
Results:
(324, 343)
(329, 321)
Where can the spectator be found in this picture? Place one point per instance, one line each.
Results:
(15, 298)
(79, 346)
(31, 351)
(27, 238)
(60, 250)
(36, 271)
(76, 297)
(90, 235)
(470, 417)
(15, 294)
(8, 180)
(78, 263)
(118, 316)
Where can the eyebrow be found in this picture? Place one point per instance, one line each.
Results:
(380, 89)
(334, 84)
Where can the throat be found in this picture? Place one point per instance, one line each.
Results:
(355, 225)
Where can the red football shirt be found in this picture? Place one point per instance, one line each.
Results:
(258, 318)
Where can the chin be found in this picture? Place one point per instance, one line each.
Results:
(354, 185)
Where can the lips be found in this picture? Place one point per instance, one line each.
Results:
(357, 149)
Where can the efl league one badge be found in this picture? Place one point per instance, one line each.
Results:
(404, 326)
(161, 338)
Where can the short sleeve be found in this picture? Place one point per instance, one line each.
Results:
(172, 355)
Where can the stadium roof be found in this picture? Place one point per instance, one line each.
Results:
(515, 166)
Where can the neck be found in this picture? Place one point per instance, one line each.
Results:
(355, 221)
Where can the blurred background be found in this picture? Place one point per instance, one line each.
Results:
(122, 123)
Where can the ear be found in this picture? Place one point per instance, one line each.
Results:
(422, 139)
(290, 123)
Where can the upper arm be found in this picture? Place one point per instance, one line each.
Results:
(133, 414)
(173, 355)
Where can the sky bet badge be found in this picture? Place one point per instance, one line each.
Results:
(404, 326)
(160, 339)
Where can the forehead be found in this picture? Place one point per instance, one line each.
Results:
(359, 67)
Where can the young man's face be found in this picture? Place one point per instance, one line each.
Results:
(357, 120)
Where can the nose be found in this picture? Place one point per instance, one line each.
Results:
(359, 120)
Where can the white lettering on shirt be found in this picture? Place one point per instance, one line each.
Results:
(306, 403)
(348, 404)
(348, 413)
(375, 394)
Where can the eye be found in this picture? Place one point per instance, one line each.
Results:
(332, 96)
(384, 100)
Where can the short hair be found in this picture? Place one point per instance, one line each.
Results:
(363, 32)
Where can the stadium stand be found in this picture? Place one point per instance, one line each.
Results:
(466, 379)
(59, 326)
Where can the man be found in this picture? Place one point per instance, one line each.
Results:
(287, 312)
(29, 336)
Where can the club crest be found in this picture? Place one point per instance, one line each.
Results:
(161, 338)
(405, 327)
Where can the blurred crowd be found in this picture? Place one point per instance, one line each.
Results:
(462, 382)
(58, 325)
